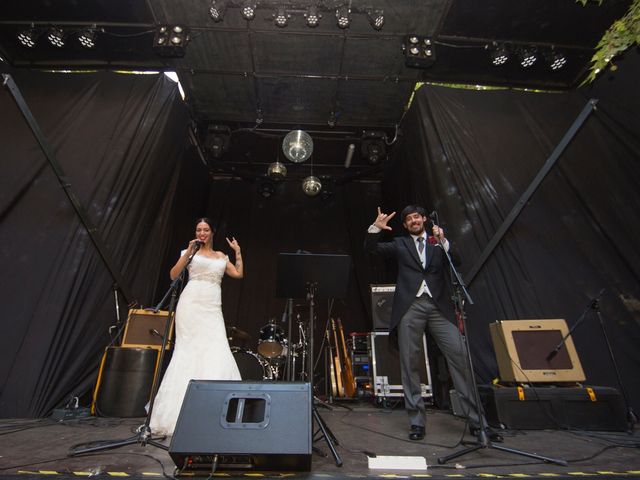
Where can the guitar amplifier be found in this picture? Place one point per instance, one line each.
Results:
(145, 329)
(381, 301)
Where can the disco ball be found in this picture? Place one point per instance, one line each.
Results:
(297, 146)
(311, 186)
(277, 171)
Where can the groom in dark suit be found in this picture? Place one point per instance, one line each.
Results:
(422, 303)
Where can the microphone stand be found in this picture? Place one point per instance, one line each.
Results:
(143, 435)
(483, 441)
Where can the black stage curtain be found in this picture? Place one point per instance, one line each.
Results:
(119, 139)
(469, 155)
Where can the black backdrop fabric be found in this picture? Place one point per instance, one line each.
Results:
(119, 139)
(467, 154)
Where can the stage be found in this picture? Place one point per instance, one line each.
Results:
(39, 448)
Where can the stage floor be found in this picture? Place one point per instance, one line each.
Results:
(37, 448)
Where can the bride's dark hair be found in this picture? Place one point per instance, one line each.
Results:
(207, 221)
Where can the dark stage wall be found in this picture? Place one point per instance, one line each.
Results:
(467, 154)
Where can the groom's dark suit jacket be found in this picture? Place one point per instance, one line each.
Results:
(411, 273)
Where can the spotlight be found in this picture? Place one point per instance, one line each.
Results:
(171, 40)
(281, 18)
(248, 10)
(277, 171)
(28, 37)
(297, 146)
(311, 186)
(342, 14)
(55, 36)
(419, 51)
(376, 18)
(527, 56)
(217, 9)
(266, 188)
(217, 141)
(373, 148)
(312, 16)
(499, 55)
(556, 60)
(87, 37)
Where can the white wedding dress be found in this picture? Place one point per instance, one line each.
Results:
(201, 350)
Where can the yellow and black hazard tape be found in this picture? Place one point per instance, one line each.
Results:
(597, 473)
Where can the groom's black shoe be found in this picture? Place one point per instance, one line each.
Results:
(416, 432)
(491, 434)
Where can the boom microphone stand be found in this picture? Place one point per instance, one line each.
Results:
(460, 294)
(143, 435)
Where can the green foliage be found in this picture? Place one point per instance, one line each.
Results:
(624, 33)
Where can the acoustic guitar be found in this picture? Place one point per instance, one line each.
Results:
(350, 387)
(336, 360)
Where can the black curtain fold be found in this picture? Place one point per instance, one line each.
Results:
(118, 139)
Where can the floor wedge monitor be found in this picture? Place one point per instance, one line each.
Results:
(244, 425)
(533, 351)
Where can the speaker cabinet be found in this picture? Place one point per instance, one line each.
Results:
(146, 328)
(524, 351)
(381, 301)
(124, 382)
(243, 425)
(387, 381)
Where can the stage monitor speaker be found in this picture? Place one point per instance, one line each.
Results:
(124, 382)
(243, 425)
(381, 301)
(524, 351)
(145, 328)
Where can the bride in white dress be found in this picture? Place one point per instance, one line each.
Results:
(201, 350)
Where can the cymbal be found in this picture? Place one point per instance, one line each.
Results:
(236, 333)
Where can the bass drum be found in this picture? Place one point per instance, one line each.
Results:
(251, 365)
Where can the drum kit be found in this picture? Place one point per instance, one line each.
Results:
(275, 358)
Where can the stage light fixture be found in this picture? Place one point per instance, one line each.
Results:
(556, 60)
(249, 10)
(171, 40)
(297, 146)
(281, 17)
(499, 55)
(311, 186)
(373, 147)
(343, 17)
(217, 141)
(312, 16)
(55, 36)
(376, 18)
(28, 37)
(419, 51)
(87, 37)
(217, 10)
(528, 56)
(266, 187)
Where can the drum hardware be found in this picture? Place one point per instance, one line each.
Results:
(271, 343)
(252, 366)
(237, 337)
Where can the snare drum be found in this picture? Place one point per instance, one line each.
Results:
(251, 365)
(272, 341)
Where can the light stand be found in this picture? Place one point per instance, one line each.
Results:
(304, 275)
(144, 436)
(483, 441)
(594, 305)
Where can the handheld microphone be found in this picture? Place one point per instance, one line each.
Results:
(199, 243)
